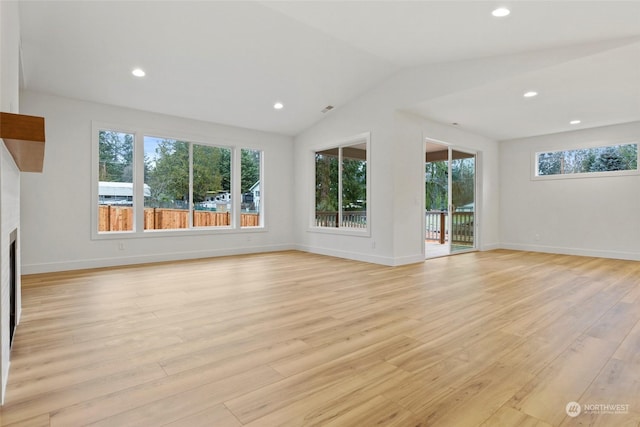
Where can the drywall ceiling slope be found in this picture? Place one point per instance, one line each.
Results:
(410, 33)
(230, 61)
(599, 88)
(226, 62)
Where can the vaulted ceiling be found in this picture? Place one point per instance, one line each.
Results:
(229, 62)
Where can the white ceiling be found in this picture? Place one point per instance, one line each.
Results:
(228, 62)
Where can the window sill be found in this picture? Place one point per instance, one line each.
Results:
(343, 231)
(200, 231)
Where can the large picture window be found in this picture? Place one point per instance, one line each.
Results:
(341, 186)
(594, 161)
(183, 177)
(181, 185)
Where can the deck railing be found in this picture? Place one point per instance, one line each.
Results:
(350, 219)
(436, 227)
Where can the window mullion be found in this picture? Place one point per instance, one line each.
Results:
(138, 183)
(190, 203)
(236, 196)
(339, 187)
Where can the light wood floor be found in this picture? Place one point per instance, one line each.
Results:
(496, 338)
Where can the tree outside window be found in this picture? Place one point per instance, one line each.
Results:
(115, 181)
(185, 185)
(623, 157)
(341, 187)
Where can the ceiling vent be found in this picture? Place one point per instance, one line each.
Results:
(327, 108)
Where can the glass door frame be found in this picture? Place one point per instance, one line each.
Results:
(449, 221)
(451, 207)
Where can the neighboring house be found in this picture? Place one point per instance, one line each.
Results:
(255, 191)
(217, 201)
(118, 193)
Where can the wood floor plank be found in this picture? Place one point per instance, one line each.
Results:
(312, 379)
(564, 380)
(506, 416)
(377, 411)
(381, 342)
(331, 403)
(139, 405)
(617, 322)
(39, 421)
(477, 398)
(172, 408)
(50, 402)
(617, 384)
(290, 339)
(253, 353)
(217, 415)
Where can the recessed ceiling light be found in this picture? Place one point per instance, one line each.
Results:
(278, 105)
(138, 72)
(501, 12)
(530, 94)
(575, 122)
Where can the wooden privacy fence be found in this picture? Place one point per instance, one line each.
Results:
(115, 218)
(120, 218)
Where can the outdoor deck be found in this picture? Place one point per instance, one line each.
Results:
(434, 249)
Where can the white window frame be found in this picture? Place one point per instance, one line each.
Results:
(138, 184)
(535, 155)
(260, 192)
(95, 157)
(364, 137)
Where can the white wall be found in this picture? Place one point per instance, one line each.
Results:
(9, 65)
(397, 165)
(9, 174)
(411, 130)
(585, 216)
(56, 205)
(350, 121)
(397, 184)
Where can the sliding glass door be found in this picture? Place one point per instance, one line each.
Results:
(462, 190)
(450, 196)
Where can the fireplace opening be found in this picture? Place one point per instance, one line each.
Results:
(13, 282)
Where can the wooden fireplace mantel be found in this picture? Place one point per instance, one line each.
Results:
(24, 138)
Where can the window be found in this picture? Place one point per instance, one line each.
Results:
(180, 185)
(596, 161)
(341, 186)
(168, 166)
(166, 173)
(115, 181)
(212, 186)
(250, 168)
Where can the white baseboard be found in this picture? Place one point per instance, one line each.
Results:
(411, 259)
(491, 246)
(598, 253)
(5, 380)
(144, 259)
(374, 259)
